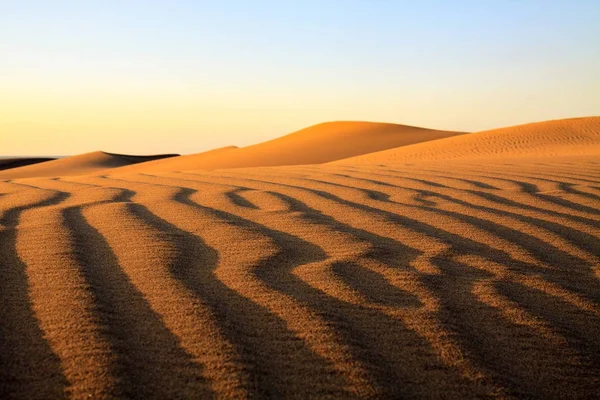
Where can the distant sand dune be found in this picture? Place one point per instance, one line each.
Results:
(474, 277)
(8, 163)
(314, 145)
(566, 137)
(178, 163)
(77, 165)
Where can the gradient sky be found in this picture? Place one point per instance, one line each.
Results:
(186, 76)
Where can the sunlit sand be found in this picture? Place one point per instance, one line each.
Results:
(347, 260)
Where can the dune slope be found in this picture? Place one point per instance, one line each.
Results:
(566, 137)
(77, 165)
(16, 162)
(314, 145)
(179, 163)
(366, 281)
(465, 278)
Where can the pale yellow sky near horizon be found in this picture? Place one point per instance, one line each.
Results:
(185, 77)
(142, 117)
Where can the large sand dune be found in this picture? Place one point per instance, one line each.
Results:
(78, 165)
(314, 145)
(451, 279)
(566, 137)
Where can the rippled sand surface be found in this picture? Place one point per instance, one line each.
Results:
(448, 279)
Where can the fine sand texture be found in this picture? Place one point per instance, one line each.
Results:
(76, 165)
(566, 137)
(454, 279)
(317, 144)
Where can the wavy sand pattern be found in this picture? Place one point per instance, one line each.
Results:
(463, 279)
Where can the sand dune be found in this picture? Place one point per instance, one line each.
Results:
(16, 162)
(77, 165)
(566, 137)
(463, 278)
(366, 281)
(314, 145)
(179, 163)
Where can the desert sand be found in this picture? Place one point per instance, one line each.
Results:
(316, 144)
(560, 138)
(462, 267)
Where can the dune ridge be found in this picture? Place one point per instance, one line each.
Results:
(562, 138)
(78, 165)
(16, 162)
(316, 144)
(178, 163)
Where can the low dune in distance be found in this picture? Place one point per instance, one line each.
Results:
(17, 162)
(77, 165)
(562, 138)
(179, 163)
(313, 145)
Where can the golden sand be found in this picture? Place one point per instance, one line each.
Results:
(467, 267)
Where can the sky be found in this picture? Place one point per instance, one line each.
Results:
(181, 76)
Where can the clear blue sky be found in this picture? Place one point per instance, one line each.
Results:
(186, 76)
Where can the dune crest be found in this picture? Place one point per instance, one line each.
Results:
(317, 144)
(82, 164)
(17, 162)
(178, 163)
(565, 137)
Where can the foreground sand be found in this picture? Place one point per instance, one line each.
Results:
(459, 279)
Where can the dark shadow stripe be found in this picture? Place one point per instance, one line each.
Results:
(29, 368)
(278, 363)
(151, 363)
